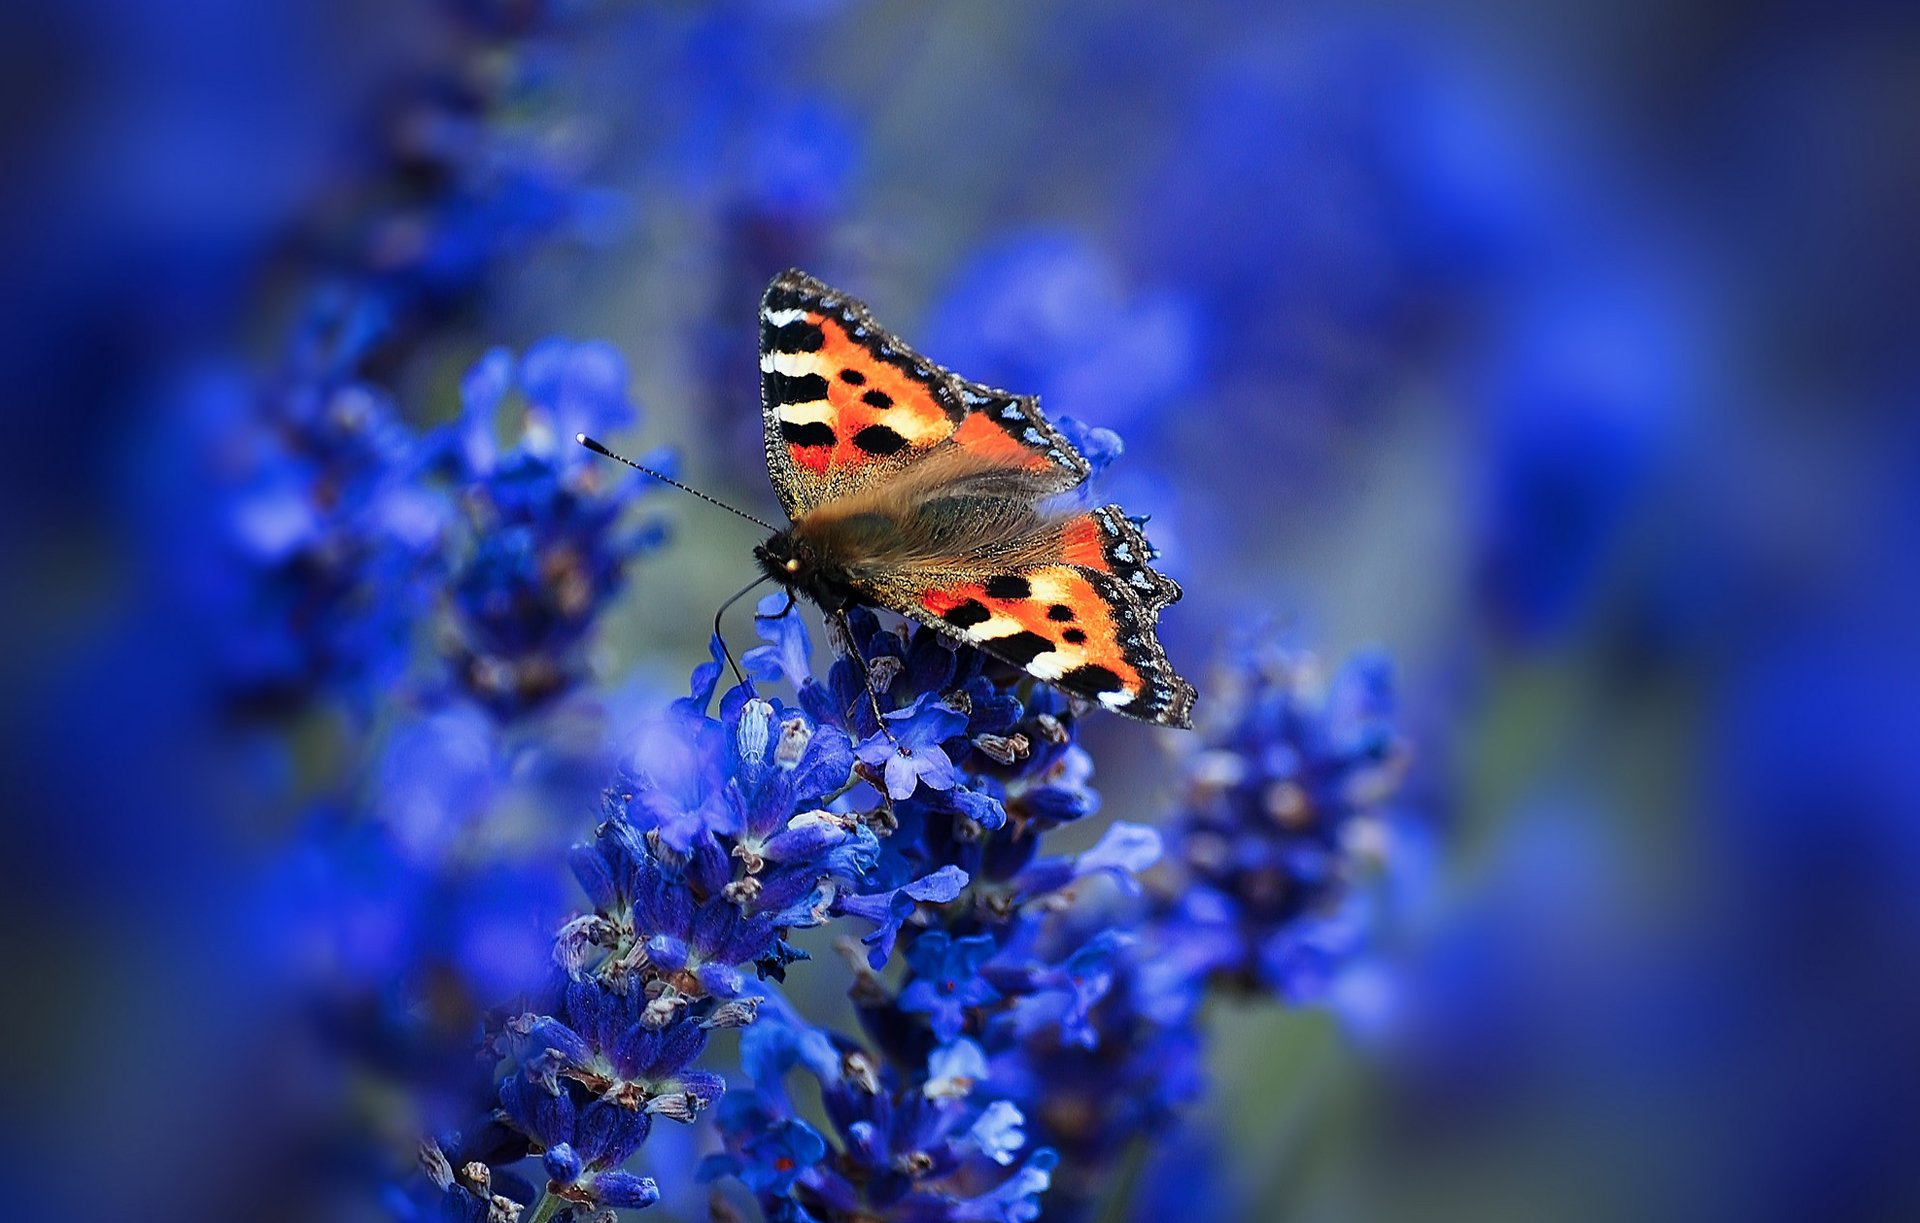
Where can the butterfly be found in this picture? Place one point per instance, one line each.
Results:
(912, 489)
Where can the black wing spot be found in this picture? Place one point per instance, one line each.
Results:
(853, 377)
(968, 614)
(1059, 611)
(879, 440)
(1074, 635)
(813, 433)
(1008, 586)
(877, 399)
(785, 388)
(1019, 648)
(1092, 678)
(798, 336)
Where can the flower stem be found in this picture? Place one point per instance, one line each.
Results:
(544, 1209)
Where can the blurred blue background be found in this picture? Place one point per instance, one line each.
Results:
(1564, 351)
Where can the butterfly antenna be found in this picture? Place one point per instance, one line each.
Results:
(597, 448)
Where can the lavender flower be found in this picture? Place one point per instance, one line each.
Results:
(946, 982)
(718, 840)
(1288, 805)
(960, 893)
(542, 547)
(924, 1145)
(909, 751)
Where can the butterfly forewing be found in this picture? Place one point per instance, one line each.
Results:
(847, 406)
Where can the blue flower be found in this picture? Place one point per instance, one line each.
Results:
(954, 1069)
(913, 755)
(571, 389)
(745, 774)
(588, 1082)
(946, 980)
(773, 1149)
(1284, 794)
(919, 1143)
(788, 652)
(544, 548)
(890, 909)
(1049, 313)
(998, 1131)
(1014, 1200)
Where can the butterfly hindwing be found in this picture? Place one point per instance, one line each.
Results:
(1108, 541)
(1073, 628)
(1081, 620)
(847, 405)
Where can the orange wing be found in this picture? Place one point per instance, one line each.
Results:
(847, 404)
(1082, 620)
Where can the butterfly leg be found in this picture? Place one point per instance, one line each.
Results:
(866, 676)
(738, 678)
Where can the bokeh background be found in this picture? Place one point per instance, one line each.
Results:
(1564, 351)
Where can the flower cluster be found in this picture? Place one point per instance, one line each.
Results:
(542, 545)
(907, 790)
(1259, 893)
(1288, 800)
(1024, 1016)
(912, 1143)
(323, 546)
(968, 766)
(300, 458)
(422, 900)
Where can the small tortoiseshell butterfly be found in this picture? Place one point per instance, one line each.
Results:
(914, 490)
(911, 489)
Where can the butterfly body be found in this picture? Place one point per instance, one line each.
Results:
(911, 489)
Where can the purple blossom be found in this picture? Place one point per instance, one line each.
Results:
(926, 1144)
(946, 980)
(890, 909)
(910, 751)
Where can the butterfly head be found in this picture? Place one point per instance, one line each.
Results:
(791, 561)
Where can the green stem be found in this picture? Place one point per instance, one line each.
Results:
(1118, 1203)
(544, 1209)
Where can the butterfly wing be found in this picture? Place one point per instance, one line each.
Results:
(848, 406)
(1077, 611)
(924, 489)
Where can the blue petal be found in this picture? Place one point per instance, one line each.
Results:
(624, 1190)
(941, 886)
(561, 1163)
(935, 769)
(789, 650)
(706, 677)
(998, 1132)
(1124, 849)
(983, 809)
(774, 1046)
(902, 774)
